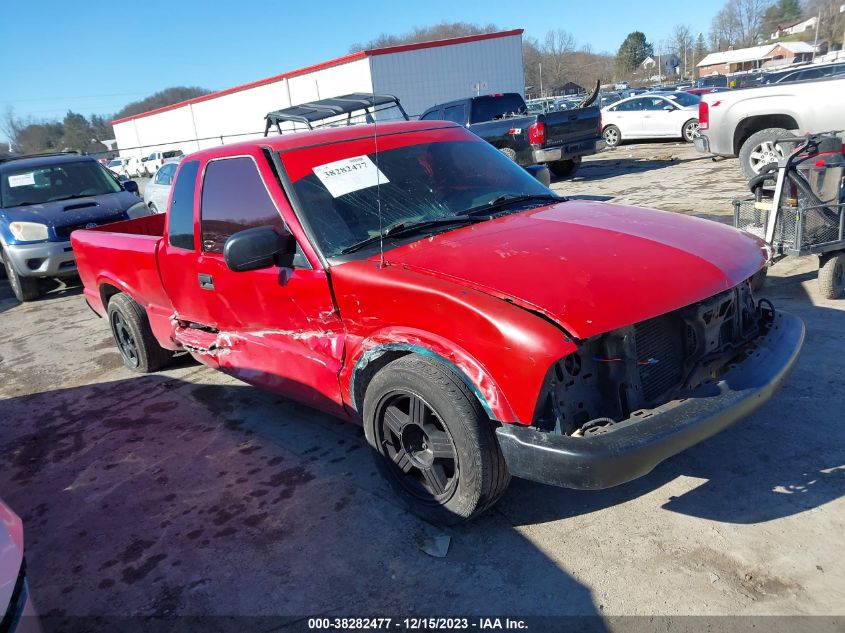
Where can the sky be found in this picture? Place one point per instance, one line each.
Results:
(94, 57)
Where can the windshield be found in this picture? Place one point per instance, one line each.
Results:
(114, 163)
(55, 182)
(432, 175)
(685, 98)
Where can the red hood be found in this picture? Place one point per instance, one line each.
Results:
(591, 266)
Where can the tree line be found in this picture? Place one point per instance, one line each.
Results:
(78, 132)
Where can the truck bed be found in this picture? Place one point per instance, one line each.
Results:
(122, 256)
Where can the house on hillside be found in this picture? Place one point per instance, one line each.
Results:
(755, 57)
(669, 65)
(794, 26)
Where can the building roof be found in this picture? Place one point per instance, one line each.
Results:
(373, 52)
(789, 24)
(753, 53)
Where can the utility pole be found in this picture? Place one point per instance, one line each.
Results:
(540, 64)
(816, 42)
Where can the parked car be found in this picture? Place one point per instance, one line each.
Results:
(155, 160)
(157, 191)
(712, 81)
(746, 123)
(42, 200)
(17, 614)
(558, 139)
(414, 279)
(124, 166)
(806, 73)
(652, 115)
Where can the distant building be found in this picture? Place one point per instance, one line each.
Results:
(669, 65)
(420, 74)
(744, 59)
(794, 26)
(569, 88)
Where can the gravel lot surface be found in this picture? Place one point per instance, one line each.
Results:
(188, 492)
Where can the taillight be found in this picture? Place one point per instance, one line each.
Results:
(703, 115)
(537, 133)
(600, 128)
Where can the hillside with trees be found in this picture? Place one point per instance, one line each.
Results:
(78, 132)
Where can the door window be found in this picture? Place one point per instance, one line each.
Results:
(433, 115)
(456, 113)
(234, 198)
(164, 176)
(181, 220)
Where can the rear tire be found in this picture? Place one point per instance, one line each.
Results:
(612, 136)
(832, 276)
(689, 131)
(509, 152)
(432, 441)
(759, 150)
(24, 288)
(133, 336)
(565, 168)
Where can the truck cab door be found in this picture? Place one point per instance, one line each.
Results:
(275, 328)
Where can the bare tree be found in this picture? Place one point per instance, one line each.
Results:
(831, 20)
(739, 23)
(683, 45)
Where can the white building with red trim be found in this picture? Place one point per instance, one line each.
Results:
(421, 75)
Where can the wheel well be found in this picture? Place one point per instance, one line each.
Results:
(751, 125)
(107, 291)
(363, 375)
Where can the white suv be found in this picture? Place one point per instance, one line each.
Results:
(156, 160)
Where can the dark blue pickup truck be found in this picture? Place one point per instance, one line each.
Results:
(42, 199)
(558, 139)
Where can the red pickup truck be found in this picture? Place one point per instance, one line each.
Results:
(415, 280)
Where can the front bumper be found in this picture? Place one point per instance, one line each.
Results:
(43, 259)
(567, 152)
(633, 447)
(702, 144)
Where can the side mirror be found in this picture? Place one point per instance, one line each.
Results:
(131, 186)
(260, 247)
(668, 108)
(541, 173)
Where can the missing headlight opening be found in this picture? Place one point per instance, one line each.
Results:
(625, 373)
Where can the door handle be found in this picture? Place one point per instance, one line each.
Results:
(206, 282)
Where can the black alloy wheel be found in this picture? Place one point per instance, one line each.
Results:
(124, 339)
(421, 450)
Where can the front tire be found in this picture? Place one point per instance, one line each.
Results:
(612, 136)
(832, 276)
(24, 288)
(565, 168)
(432, 441)
(133, 336)
(760, 149)
(689, 131)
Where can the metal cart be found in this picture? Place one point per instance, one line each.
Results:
(805, 212)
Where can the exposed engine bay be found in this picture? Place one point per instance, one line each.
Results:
(624, 373)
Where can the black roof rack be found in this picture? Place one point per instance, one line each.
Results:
(4, 159)
(313, 111)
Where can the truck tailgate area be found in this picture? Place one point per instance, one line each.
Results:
(121, 256)
(571, 126)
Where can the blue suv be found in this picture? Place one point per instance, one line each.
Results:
(45, 197)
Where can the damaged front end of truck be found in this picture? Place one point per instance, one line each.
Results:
(629, 398)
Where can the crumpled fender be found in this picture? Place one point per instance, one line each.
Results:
(477, 378)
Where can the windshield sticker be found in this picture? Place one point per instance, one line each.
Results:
(348, 175)
(22, 180)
